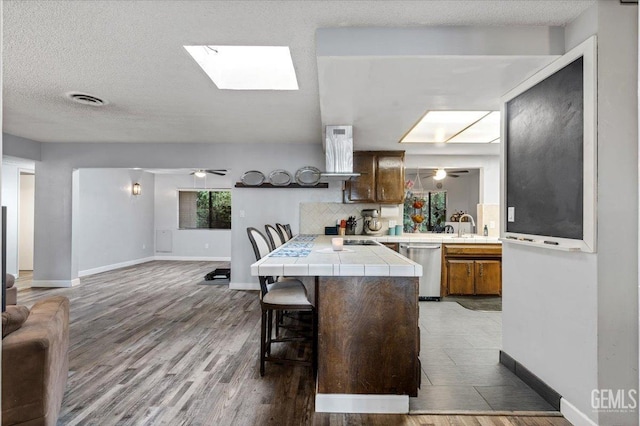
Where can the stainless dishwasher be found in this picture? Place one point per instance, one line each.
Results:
(429, 255)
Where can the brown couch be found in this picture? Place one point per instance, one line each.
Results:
(35, 362)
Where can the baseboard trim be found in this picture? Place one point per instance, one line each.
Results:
(113, 266)
(55, 283)
(575, 416)
(483, 413)
(357, 403)
(193, 258)
(244, 286)
(533, 381)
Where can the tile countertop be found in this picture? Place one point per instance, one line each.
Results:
(428, 238)
(321, 260)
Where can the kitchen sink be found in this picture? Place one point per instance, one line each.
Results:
(360, 243)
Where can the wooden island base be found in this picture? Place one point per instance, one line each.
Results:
(368, 344)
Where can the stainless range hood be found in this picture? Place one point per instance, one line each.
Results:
(338, 147)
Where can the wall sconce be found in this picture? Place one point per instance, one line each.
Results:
(136, 190)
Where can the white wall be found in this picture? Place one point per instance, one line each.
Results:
(10, 179)
(572, 318)
(617, 197)
(197, 244)
(115, 228)
(11, 199)
(27, 213)
(489, 166)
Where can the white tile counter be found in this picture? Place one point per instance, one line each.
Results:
(429, 238)
(378, 261)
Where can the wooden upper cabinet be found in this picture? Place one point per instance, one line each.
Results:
(390, 178)
(362, 188)
(381, 178)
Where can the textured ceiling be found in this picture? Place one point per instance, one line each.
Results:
(130, 53)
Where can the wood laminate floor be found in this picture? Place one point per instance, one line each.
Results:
(151, 346)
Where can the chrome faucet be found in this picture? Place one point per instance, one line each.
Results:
(473, 224)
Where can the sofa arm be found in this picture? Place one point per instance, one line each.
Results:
(24, 376)
(35, 365)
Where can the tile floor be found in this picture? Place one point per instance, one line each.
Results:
(460, 369)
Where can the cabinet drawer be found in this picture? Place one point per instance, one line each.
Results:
(473, 250)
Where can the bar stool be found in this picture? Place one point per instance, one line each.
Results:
(275, 239)
(288, 295)
(285, 231)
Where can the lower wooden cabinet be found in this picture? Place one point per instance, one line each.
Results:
(461, 276)
(472, 269)
(488, 277)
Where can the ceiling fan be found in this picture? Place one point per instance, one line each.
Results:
(439, 174)
(203, 172)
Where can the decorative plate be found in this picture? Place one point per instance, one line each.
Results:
(280, 178)
(252, 178)
(308, 176)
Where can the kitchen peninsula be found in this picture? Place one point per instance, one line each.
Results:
(368, 336)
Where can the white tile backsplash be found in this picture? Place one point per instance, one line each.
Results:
(315, 216)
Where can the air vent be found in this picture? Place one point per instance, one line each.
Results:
(86, 99)
(339, 132)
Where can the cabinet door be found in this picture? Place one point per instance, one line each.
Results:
(390, 178)
(362, 188)
(460, 276)
(488, 277)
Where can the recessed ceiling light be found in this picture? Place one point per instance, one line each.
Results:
(455, 126)
(247, 67)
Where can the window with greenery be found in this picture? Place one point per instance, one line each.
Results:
(209, 209)
(433, 210)
(437, 214)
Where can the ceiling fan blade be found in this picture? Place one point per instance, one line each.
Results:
(449, 174)
(458, 171)
(219, 172)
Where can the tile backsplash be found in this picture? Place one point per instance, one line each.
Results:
(315, 216)
(489, 214)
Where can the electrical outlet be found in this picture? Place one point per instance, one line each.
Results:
(241, 213)
(206, 245)
(492, 224)
(511, 214)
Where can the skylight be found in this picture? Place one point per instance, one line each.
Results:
(247, 67)
(456, 127)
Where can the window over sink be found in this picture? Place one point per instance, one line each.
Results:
(432, 209)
